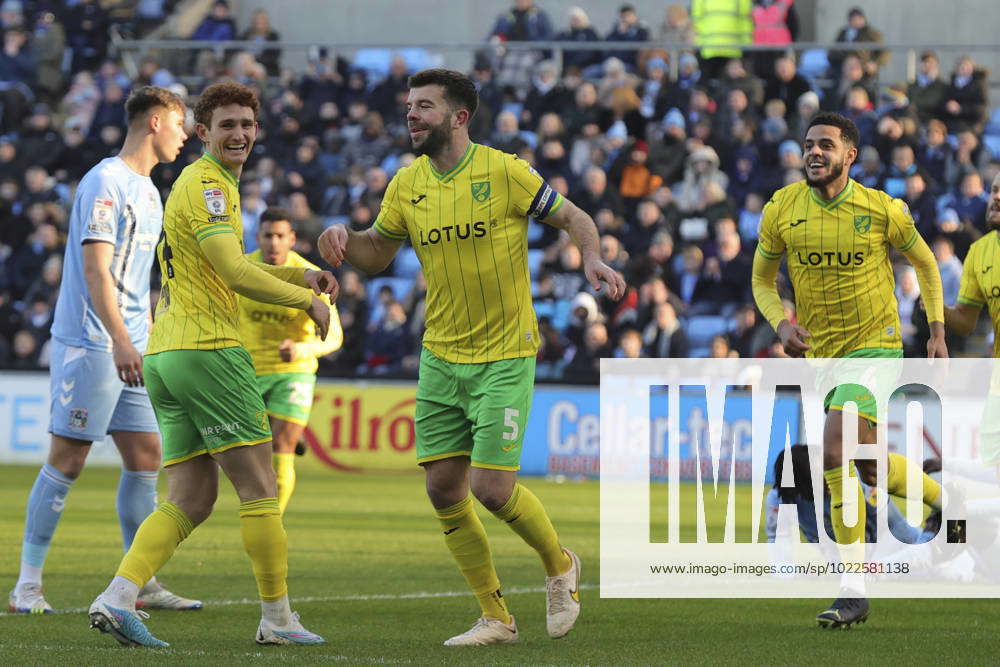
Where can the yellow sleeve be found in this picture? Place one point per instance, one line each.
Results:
(208, 208)
(390, 222)
(767, 258)
(222, 249)
(903, 235)
(970, 293)
(290, 274)
(529, 193)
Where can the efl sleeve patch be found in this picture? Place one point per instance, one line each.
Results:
(101, 217)
(215, 200)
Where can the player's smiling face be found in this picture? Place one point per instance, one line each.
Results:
(428, 117)
(230, 135)
(993, 210)
(826, 155)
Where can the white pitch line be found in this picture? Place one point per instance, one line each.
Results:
(117, 650)
(339, 598)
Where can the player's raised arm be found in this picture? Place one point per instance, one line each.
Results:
(582, 230)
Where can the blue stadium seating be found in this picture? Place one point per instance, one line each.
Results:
(535, 258)
(400, 288)
(407, 265)
(701, 329)
(814, 64)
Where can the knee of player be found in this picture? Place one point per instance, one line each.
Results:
(196, 507)
(491, 494)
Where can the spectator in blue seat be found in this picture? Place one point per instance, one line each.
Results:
(969, 202)
(969, 156)
(629, 345)
(628, 28)
(903, 166)
(218, 26)
(664, 337)
(596, 195)
(389, 343)
(927, 92)
(725, 279)
(922, 204)
(17, 76)
(585, 366)
(87, 24)
(967, 98)
(935, 153)
(580, 30)
(786, 84)
(260, 30)
(868, 169)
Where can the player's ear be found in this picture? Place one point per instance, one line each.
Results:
(852, 154)
(202, 132)
(154, 121)
(460, 118)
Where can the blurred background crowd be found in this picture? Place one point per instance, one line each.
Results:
(674, 171)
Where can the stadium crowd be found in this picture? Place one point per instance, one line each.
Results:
(675, 173)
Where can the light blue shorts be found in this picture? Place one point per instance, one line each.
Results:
(88, 401)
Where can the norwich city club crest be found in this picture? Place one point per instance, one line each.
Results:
(862, 223)
(481, 190)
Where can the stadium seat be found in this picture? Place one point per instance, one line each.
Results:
(814, 64)
(400, 288)
(701, 329)
(407, 265)
(375, 62)
(993, 126)
(535, 258)
(992, 143)
(418, 59)
(699, 352)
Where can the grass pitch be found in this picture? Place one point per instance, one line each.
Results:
(370, 572)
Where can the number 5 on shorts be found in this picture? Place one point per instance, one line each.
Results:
(509, 415)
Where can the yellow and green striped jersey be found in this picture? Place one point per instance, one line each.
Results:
(469, 229)
(264, 326)
(838, 261)
(196, 310)
(980, 284)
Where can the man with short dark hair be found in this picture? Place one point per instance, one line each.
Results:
(837, 234)
(927, 92)
(465, 208)
(284, 346)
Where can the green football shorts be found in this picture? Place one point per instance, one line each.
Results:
(206, 401)
(288, 396)
(862, 396)
(475, 410)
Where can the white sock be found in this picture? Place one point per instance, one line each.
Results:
(30, 574)
(121, 593)
(277, 612)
